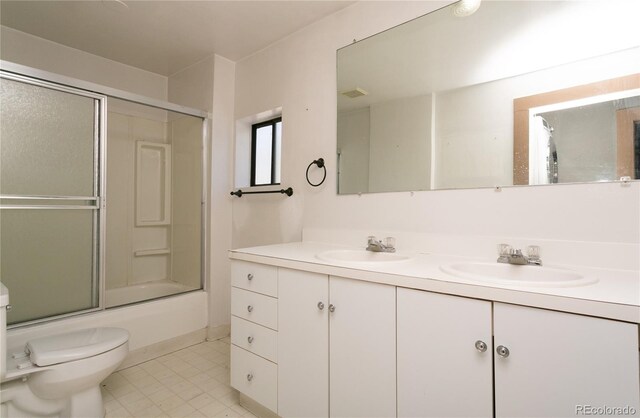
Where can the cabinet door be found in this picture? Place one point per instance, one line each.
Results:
(441, 373)
(559, 364)
(362, 349)
(303, 344)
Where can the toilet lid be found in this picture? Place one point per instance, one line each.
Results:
(75, 345)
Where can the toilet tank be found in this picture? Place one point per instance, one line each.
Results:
(4, 303)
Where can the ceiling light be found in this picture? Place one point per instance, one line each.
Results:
(465, 8)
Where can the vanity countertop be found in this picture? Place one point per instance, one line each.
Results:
(615, 295)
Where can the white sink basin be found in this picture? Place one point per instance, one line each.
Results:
(518, 275)
(361, 257)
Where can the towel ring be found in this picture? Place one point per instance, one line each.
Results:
(320, 163)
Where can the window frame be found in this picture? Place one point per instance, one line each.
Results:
(254, 129)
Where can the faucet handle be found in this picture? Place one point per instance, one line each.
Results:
(390, 242)
(533, 251)
(504, 249)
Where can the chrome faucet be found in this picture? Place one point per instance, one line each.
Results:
(376, 245)
(511, 255)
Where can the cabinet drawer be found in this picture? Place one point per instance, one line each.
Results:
(255, 338)
(255, 377)
(255, 277)
(255, 307)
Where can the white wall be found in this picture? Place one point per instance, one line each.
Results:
(298, 74)
(193, 86)
(221, 184)
(29, 50)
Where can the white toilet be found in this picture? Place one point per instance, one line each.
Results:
(58, 375)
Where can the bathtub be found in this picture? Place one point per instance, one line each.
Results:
(143, 291)
(153, 322)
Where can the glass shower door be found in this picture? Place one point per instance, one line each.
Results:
(50, 190)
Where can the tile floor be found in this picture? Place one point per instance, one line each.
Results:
(192, 382)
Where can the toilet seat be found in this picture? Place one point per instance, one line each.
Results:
(76, 345)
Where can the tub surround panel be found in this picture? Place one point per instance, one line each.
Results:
(186, 198)
(616, 295)
(126, 234)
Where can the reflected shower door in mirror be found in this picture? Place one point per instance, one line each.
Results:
(447, 102)
(578, 134)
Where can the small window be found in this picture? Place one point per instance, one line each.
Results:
(265, 152)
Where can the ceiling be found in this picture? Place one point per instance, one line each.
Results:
(164, 37)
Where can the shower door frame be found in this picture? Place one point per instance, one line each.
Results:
(102, 93)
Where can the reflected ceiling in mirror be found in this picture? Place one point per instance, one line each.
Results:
(446, 102)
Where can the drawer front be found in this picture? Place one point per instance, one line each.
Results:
(255, 377)
(255, 307)
(255, 338)
(255, 277)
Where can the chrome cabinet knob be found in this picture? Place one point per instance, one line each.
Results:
(249, 276)
(332, 308)
(481, 346)
(320, 305)
(502, 351)
(250, 339)
(249, 377)
(250, 308)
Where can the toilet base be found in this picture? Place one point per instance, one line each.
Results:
(19, 402)
(87, 404)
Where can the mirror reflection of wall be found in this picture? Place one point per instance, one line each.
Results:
(383, 146)
(430, 104)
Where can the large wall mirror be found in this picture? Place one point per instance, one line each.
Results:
(517, 93)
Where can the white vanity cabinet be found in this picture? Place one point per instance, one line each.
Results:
(336, 348)
(445, 362)
(558, 363)
(307, 344)
(254, 336)
(541, 363)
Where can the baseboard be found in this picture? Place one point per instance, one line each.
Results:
(163, 347)
(255, 408)
(217, 333)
